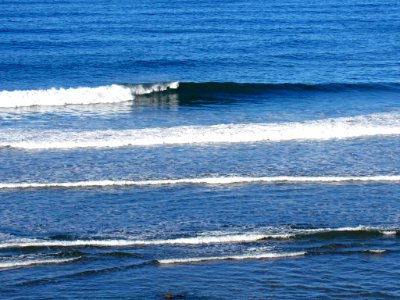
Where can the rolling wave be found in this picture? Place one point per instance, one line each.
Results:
(230, 257)
(324, 129)
(114, 93)
(84, 95)
(205, 180)
(324, 233)
(241, 238)
(11, 264)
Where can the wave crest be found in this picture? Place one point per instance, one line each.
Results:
(230, 257)
(11, 264)
(205, 180)
(82, 95)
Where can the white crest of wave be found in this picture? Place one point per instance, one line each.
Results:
(83, 95)
(230, 257)
(389, 232)
(324, 129)
(239, 238)
(375, 251)
(347, 229)
(205, 180)
(24, 263)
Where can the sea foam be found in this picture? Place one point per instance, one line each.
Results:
(204, 180)
(199, 240)
(323, 129)
(24, 263)
(230, 257)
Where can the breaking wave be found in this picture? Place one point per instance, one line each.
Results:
(325, 129)
(184, 90)
(205, 180)
(323, 233)
(240, 238)
(230, 257)
(83, 95)
(11, 264)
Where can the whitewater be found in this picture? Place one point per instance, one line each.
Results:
(383, 124)
(206, 180)
(113, 93)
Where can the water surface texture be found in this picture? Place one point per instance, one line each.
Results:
(199, 150)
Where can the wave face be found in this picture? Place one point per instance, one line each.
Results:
(324, 129)
(115, 93)
(190, 89)
(85, 95)
(205, 180)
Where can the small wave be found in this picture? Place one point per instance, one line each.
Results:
(207, 181)
(375, 251)
(24, 263)
(251, 237)
(230, 257)
(356, 232)
(84, 95)
(324, 129)
(241, 238)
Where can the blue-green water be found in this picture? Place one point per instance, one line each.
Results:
(206, 150)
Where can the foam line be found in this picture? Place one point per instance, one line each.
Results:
(230, 257)
(206, 181)
(240, 238)
(375, 251)
(83, 95)
(25, 263)
(351, 229)
(324, 129)
(197, 240)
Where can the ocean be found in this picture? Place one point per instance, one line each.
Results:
(199, 150)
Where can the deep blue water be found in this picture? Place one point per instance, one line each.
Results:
(206, 150)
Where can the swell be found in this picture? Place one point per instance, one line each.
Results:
(383, 124)
(115, 93)
(207, 181)
(360, 232)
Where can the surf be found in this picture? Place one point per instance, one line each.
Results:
(208, 239)
(113, 93)
(363, 126)
(205, 181)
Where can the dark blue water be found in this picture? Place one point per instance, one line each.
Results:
(199, 150)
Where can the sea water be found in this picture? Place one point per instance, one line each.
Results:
(199, 150)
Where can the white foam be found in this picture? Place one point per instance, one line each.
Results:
(230, 257)
(83, 95)
(389, 232)
(359, 228)
(375, 251)
(324, 129)
(23, 263)
(239, 238)
(200, 239)
(205, 180)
